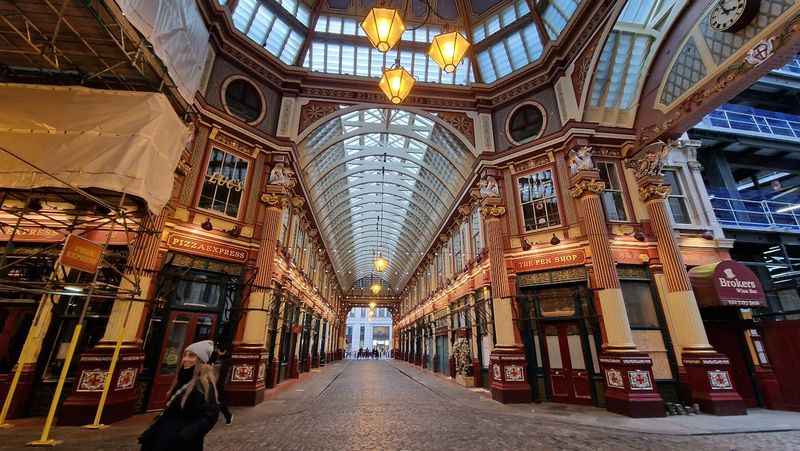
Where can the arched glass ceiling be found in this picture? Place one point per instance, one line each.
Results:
(382, 179)
(505, 38)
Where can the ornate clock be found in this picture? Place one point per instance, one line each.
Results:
(733, 15)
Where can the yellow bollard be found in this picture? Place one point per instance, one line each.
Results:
(45, 439)
(107, 385)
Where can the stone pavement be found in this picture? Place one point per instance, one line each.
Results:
(377, 405)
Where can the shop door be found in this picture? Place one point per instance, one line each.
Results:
(566, 363)
(729, 340)
(430, 353)
(183, 329)
(441, 352)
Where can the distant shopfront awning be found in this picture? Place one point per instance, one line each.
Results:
(727, 283)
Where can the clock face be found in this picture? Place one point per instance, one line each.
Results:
(727, 14)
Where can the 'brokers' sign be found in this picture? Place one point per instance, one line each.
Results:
(206, 248)
(727, 283)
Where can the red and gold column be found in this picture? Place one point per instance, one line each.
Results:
(627, 373)
(507, 361)
(126, 322)
(705, 371)
(248, 363)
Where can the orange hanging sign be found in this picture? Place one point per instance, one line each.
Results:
(81, 254)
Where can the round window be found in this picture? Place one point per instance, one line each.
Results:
(526, 123)
(243, 100)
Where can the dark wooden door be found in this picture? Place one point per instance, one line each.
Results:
(183, 329)
(566, 363)
(729, 340)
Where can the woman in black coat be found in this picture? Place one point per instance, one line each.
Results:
(192, 408)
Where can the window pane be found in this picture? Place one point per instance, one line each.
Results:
(639, 304)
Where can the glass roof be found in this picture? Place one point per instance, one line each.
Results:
(629, 47)
(505, 40)
(382, 181)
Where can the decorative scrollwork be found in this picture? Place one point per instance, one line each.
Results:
(654, 192)
(651, 162)
(585, 187)
(493, 211)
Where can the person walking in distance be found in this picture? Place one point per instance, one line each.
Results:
(220, 361)
(191, 410)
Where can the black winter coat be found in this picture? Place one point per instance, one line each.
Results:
(182, 428)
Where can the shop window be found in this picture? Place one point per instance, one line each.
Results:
(539, 200)
(677, 201)
(613, 201)
(457, 255)
(640, 304)
(224, 183)
(198, 289)
(243, 100)
(284, 227)
(526, 123)
(477, 241)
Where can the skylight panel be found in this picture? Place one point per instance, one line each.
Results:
(328, 57)
(556, 16)
(296, 8)
(513, 52)
(637, 11)
(260, 23)
(497, 22)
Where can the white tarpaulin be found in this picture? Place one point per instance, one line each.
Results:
(117, 140)
(179, 37)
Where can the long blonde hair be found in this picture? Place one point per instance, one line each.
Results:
(204, 374)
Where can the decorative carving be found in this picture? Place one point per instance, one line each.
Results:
(587, 186)
(496, 372)
(640, 380)
(243, 373)
(614, 378)
(580, 159)
(282, 176)
(719, 380)
(489, 187)
(229, 141)
(126, 379)
(275, 199)
(92, 380)
(493, 211)
(515, 373)
(298, 202)
(460, 122)
(654, 191)
(651, 162)
(760, 52)
(314, 111)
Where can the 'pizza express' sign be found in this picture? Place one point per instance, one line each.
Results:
(549, 261)
(206, 248)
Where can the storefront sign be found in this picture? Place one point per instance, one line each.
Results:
(32, 235)
(549, 261)
(81, 254)
(727, 283)
(206, 248)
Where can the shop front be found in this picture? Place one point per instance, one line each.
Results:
(198, 297)
(728, 293)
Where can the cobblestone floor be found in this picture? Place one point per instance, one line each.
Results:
(384, 405)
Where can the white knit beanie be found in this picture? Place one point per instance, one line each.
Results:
(202, 349)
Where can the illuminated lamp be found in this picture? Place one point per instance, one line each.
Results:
(372, 305)
(376, 288)
(384, 27)
(448, 49)
(396, 84)
(381, 263)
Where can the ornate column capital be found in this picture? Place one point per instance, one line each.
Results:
(275, 196)
(650, 160)
(586, 187)
(298, 201)
(493, 211)
(653, 191)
